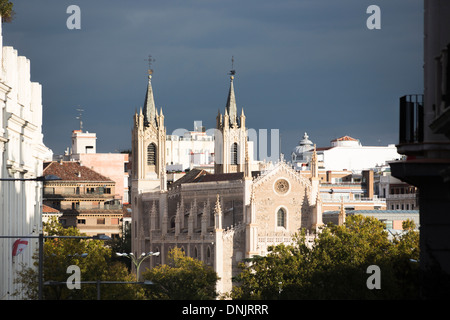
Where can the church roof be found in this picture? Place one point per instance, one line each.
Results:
(222, 177)
(199, 175)
(189, 177)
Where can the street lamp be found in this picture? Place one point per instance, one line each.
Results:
(137, 260)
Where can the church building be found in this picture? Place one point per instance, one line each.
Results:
(219, 218)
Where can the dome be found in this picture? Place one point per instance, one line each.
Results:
(304, 145)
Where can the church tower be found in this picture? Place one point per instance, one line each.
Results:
(231, 136)
(148, 146)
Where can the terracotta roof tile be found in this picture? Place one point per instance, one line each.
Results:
(73, 171)
(48, 209)
(345, 138)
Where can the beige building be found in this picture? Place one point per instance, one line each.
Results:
(84, 197)
(222, 217)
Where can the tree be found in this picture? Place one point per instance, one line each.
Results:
(91, 256)
(182, 278)
(335, 267)
(6, 10)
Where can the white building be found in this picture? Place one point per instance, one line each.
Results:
(83, 142)
(22, 153)
(190, 149)
(344, 153)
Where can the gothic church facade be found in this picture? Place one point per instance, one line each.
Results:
(221, 217)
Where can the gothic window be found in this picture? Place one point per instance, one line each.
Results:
(281, 218)
(151, 154)
(234, 153)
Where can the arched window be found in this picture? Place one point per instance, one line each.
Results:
(234, 153)
(281, 218)
(151, 154)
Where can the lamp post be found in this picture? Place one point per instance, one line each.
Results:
(137, 260)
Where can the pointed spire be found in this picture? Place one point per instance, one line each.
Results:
(149, 105)
(218, 214)
(314, 164)
(231, 108)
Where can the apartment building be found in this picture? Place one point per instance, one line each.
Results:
(84, 197)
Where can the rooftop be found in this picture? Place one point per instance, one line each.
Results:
(72, 171)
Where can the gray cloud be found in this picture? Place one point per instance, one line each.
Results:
(302, 65)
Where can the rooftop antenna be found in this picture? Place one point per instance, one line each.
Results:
(80, 117)
(150, 60)
(232, 71)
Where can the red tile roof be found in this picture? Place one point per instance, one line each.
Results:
(47, 209)
(345, 138)
(73, 171)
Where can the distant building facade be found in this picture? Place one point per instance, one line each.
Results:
(84, 198)
(191, 149)
(345, 153)
(22, 153)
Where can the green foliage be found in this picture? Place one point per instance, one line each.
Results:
(335, 267)
(6, 10)
(59, 253)
(182, 278)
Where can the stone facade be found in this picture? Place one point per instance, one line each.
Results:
(223, 217)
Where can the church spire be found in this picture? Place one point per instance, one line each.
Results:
(149, 104)
(150, 112)
(231, 108)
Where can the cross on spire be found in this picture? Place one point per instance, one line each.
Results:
(232, 71)
(150, 60)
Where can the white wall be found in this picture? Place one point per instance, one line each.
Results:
(22, 153)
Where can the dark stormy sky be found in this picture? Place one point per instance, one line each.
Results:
(302, 65)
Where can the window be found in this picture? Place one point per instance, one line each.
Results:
(100, 220)
(81, 221)
(151, 154)
(281, 218)
(234, 154)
